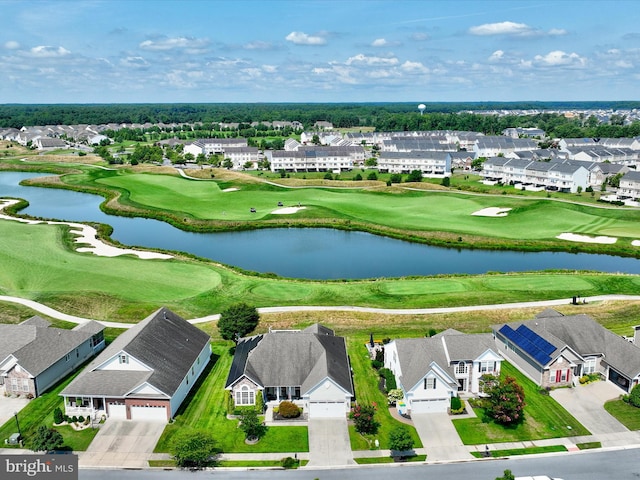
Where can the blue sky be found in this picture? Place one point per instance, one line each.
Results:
(103, 51)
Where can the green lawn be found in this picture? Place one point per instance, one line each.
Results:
(522, 451)
(544, 418)
(626, 414)
(39, 411)
(365, 381)
(205, 409)
(530, 219)
(374, 460)
(38, 264)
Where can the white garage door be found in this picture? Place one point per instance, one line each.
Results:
(117, 411)
(156, 414)
(326, 409)
(432, 405)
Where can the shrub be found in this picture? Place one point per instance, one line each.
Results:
(460, 410)
(446, 181)
(634, 396)
(259, 401)
(363, 418)
(395, 396)
(81, 419)
(456, 403)
(74, 419)
(357, 177)
(389, 379)
(288, 409)
(58, 417)
(505, 403)
(67, 418)
(328, 176)
(380, 355)
(289, 462)
(372, 176)
(377, 364)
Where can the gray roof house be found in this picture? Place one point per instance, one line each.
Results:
(34, 356)
(310, 367)
(430, 371)
(555, 350)
(144, 374)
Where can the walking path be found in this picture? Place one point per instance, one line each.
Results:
(39, 307)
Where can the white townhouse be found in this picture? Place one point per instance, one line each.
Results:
(240, 156)
(431, 164)
(492, 146)
(210, 146)
(562, 176)
(430, 371)
(629, 186)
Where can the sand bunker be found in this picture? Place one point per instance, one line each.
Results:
(287, 210)
(492, 212)
(572, 237)
(230, 189)
(635, 243)
(87, 235)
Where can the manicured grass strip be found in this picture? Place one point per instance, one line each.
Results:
(365, 381)
(374, 460)
(205, 409)
(588, 445)
(255, 463)
(522, 451)
(626, 414)
(162, 463)
(39, 411)
(543, 418)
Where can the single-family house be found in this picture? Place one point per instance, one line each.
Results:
(430, 371)
(144, 374)
(555, 350)
(309, 367)
(34, 355)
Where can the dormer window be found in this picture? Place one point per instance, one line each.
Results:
(124, 358)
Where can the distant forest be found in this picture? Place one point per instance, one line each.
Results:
(381, 116)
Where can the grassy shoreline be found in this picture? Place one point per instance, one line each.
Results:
(123, 202)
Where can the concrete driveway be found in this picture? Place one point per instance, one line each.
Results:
(439, 437)
(329, 443)
(585, 403)
(122, 443)
(8, 407)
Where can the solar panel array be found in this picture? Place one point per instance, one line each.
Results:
(529, 342)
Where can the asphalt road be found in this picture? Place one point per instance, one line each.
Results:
(586, 465)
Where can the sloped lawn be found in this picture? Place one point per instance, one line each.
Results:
(205, 409)
(39, 411)
(365, 381)
(626, 414)
(544, 418)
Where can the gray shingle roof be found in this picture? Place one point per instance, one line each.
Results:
(292, 358)
(37, 347)
(164, 341)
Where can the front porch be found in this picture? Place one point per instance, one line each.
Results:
(278, 394)
(85, 406)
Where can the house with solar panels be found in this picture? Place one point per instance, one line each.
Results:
(555, 350)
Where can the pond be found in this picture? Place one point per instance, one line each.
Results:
(314, 253)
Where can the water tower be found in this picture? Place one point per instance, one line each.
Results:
(422, 107)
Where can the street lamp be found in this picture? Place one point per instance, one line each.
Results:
(15, 414)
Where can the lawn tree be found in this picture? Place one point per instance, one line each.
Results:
(400, 440)
(415, 176)
(507, 475)
(251, 425)
(193, 449)
(363, 418)
(505, 402)
(46, 440)
(634, 396)
(227, 163)
(237, 321)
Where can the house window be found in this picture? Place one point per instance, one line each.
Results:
(66, 357)
(124, 358)
(589, 366)
(14, 384)
(487, 367)
(429, 383)
(245, 396)
(25, 384)
(461, 368)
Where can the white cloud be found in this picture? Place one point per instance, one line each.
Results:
(45, 51)
(623, 64)
(560, 58)
(414, 67)
(11, 45)
(379, 42)
(361, 59)
(496, 56)
(258, 45)
(163, 44)
(270, 68)
(419, 37)
(134, 62)
(514, 29)
(301, 38)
